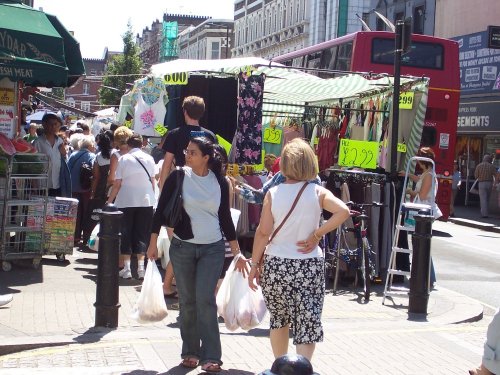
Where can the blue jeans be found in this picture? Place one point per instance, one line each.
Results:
(197, 269)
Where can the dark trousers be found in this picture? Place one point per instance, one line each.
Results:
(83, 204)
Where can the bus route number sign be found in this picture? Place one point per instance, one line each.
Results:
(176, 78)
(273, 135)
(363, 154)
(406, 100)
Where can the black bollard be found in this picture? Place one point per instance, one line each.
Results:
(291, 364)
(420, 263)
(107, 293)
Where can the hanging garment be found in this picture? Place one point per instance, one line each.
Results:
(249, 127)
(272, 148)
(126, 108)
(148, 116)
(327, 148)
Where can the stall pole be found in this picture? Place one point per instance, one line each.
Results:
(107, 292)
(395, 103)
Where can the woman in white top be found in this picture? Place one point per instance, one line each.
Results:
(120, 137)
(133, 189)
(292, 276)
(423, 187)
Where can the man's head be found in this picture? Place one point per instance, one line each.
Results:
(51, 123)
(33, 128)
(487, 158)
(85, 128)
(194, 107)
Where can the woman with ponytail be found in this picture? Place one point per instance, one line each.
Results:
(197, 250)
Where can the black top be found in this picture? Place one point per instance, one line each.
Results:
(183, 229)
(178, 139)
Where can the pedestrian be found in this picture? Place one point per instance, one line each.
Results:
(177, 139)
(31, 136)
(53, 146)
(197, 250)
(193, 108)
(133, 189)
(158, 153)
(423, 190)
(485, 174)
(100, 189)
(456, 182)
(120, 138)
(491, 356)
(85, 154)
(286, 259)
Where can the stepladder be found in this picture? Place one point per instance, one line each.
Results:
(404, 221)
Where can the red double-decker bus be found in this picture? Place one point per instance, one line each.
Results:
(435, 58)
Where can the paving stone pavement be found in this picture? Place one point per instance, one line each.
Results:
(48, 328)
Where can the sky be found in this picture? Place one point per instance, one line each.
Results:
(100, 23)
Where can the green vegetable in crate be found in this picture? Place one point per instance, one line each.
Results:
(30, 164)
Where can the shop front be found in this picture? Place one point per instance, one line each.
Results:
(478, 134)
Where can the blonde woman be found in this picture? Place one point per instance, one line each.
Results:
(290, 268)
(120, 137)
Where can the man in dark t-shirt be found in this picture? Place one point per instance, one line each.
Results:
(178, 139)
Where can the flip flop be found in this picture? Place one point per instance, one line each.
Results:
(171, 295)
(189, 362)
(211, 367)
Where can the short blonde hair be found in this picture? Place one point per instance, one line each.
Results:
(298, 161)
(121, 135)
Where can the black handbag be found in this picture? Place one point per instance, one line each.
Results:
(173, 208)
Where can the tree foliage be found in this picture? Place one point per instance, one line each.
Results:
(120, 70)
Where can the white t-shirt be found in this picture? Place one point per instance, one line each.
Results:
(299, 226)
(136, 189)
(201, 198)
(43, 146)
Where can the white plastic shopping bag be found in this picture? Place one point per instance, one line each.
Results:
(94, 239)
(150, 306)
(239, 305)
(163, 244)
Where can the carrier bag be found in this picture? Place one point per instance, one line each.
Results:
(150, 306)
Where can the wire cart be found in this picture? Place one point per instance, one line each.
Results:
(23, 205)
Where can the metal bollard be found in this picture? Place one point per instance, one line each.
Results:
(420, 263)
(107, 293)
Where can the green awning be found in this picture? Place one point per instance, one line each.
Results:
(36, 48)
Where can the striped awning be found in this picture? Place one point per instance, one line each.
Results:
(283, 85)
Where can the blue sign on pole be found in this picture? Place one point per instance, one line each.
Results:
(479, 65)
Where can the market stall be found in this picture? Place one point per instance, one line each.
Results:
(35, 50)
(347, 119)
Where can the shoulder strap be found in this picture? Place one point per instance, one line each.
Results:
(142, 165)
(78, 158)
(289, 212)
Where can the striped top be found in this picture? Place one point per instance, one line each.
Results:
(485, 172)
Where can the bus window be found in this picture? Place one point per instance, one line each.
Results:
(436, 114)
(344, 56)
(429, 136)
(421, 55)
(313, 60)
(328, 58)
(297, 62)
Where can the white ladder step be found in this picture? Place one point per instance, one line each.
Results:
(402, 250)
(398, 272)
(408, 229)
(396, 293)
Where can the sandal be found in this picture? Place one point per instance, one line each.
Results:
(190, 362)
(211, 367)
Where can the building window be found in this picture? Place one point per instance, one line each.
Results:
(85, 106)
(418, 19)
(215, 53)
(86, 89)
(71, 102)
(342, 18)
